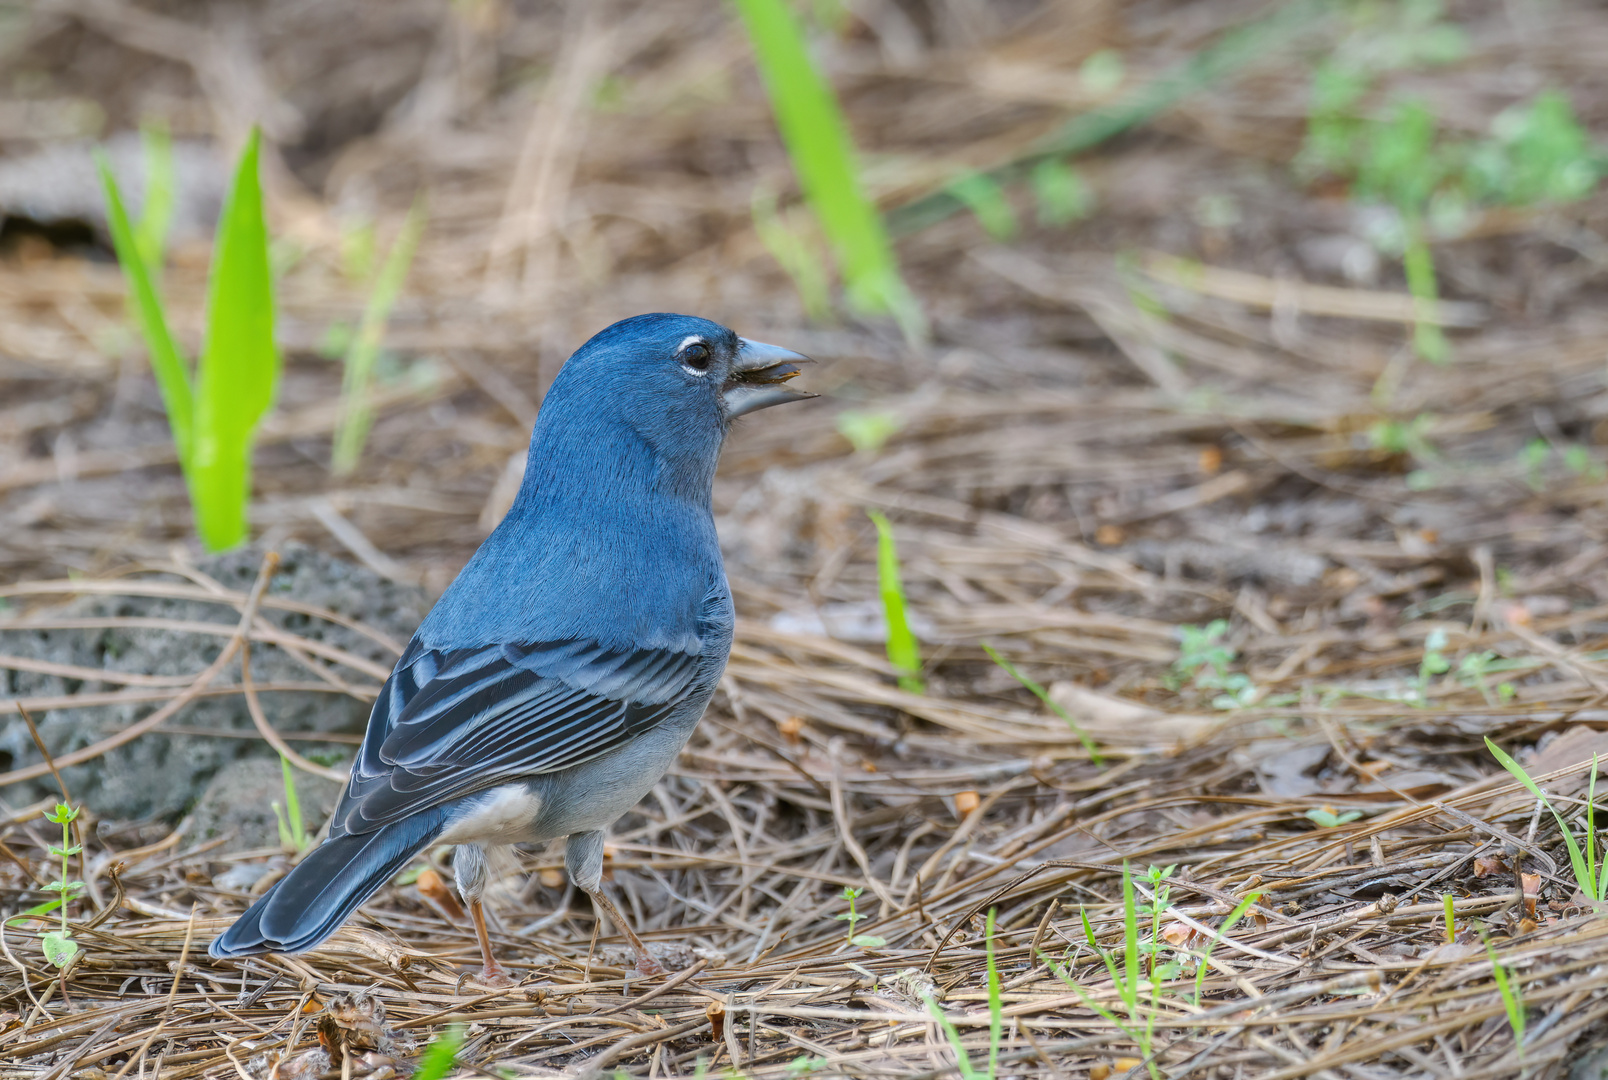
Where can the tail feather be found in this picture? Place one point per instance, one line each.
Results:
(309, 904)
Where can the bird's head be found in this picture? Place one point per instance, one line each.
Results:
(676, 382)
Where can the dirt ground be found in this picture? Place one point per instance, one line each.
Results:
(1198, 403)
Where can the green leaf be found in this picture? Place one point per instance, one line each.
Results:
(239, 364)
(156, 209)
(987, 201)
(441, 1055)
(59, 947)
(868, 941)
(167, 364)
(34, 912)
(818, 141)
(904, 652)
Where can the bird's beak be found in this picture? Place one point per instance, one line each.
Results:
(758, 377)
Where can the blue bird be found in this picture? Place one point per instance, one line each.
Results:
(563, 670)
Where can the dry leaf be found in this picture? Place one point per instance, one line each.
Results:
(1487, 865)
(1531, 884)
(435, 892)
(966, 802)
(716, 1012)
(790, 729)
(1210, 460)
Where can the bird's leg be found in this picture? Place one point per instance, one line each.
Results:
(469, 867)
(646, 965)
(583, 858)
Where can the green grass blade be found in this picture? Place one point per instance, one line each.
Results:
(298, 827)
(904, 652)
(987, 201)
(239, 364)
(1229, 54)
(1512, 999)
(1577, 860)
(356, 415)
(1250, 900)
(167, 364)
(1130, 946)
(1043, 695)
(156, 210)
(818, 141)
(962, 1059)
(996, 1013)
(1597, 883)
(441, 1055)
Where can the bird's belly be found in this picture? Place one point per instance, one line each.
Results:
(502, 815)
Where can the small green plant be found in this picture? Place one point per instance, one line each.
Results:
(214, 415)
(1475, 670)
(1203, 661)
(1328, 819)
(1512, 998)
(1043, 695)
(818, 142)
(441, 1055)
(1433, 663)
(1583, 862)
(1450, 916)
(904, 651)
(996, 1018)
(156, 207)
(853, 917)
(1140, 1023)
(58, 945)
(292, 830)
(357, 416)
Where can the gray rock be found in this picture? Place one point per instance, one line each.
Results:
(239, 803)
(162, 775)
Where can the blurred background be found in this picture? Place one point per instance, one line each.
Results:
(1237, 370)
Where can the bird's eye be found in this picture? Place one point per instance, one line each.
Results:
(695, 358)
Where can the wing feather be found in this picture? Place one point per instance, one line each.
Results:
(449, 723)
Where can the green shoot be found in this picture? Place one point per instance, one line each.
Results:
(356, 415)
(1250, 900)
(1126, 976)
(1450, 917)
(818, 141)
(869, 429)
(441, 1055)
(292, 830)
(1583, 863)
(58, 945)
(853, 917)
(996, 1012)
(214, 417)
(904, 652)
(1434, 663)
(156, 210)
(1043, 695)
(987, 201)
(789, 243)
(1328, 819)
(167, 363)
(1512, 999)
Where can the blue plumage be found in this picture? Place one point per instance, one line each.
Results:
(561, 672)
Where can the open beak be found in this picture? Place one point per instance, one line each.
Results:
(759, 375)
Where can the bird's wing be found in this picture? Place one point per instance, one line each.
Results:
(448, 724)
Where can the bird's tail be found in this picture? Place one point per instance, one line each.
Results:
(308, 904)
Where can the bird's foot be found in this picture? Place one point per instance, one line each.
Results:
(648, 967)
(495, 977)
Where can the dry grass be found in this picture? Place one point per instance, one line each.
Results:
(1093, 452)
